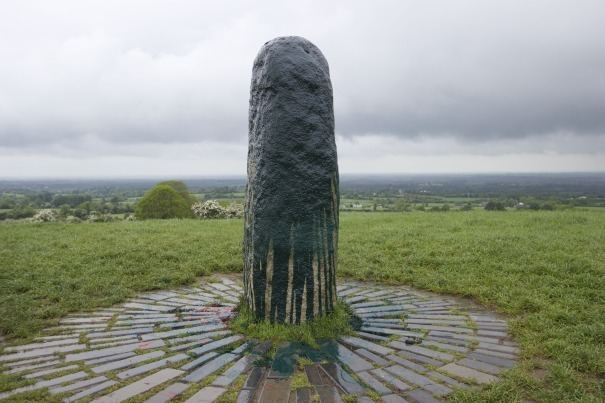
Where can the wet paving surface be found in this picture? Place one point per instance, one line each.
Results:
(176, 346)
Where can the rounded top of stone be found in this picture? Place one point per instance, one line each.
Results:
(288, 51)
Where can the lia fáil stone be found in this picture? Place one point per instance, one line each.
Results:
(292, 197)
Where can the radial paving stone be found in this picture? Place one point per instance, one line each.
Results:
(412, 346)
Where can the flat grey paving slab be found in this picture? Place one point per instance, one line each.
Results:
(422, 396)
(412, 346)
(155, 307)
(169, 393)
(140, 386)
(357, 342)
(445, 346)
(480, 366)
(60, 342)
(393, 399)
(373, 383)
(376, 359)
(78, 385)
(49, 371)
(206, 395)
(90, 391)
(109, 358)
(179, 332)
(144, 345)
(142, 369)
(395, 383)
(26, 368)
(490, 359)
(352, 360)
(418, 358)
(408, 375)
(199, 361)
(44, 384)
(407, 363)
(134, 331)
(234, 371)
(216, 344)
(467, 373)
(211, 367)
(127, 362)
(388, 330)
(438, 355)
(40, 352)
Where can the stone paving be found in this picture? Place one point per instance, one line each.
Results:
(175, 345)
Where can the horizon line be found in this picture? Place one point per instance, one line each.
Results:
(243, 176)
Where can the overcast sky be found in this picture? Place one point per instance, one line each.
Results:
(160, 88)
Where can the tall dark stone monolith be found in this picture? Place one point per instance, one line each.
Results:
(292, 198)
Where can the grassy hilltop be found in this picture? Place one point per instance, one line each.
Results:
(545, 270)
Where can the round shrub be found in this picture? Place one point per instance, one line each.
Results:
(181, 189)
(162, 201)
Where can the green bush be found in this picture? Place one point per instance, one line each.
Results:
(22, 212)
(495, 206)
(181, 189)
(162, 201)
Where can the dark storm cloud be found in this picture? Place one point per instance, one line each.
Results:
(144, 73)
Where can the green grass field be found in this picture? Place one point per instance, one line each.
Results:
(544, 270)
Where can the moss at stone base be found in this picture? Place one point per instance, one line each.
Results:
(328, 327)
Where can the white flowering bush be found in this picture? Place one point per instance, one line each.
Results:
(72, 219)
(212, 209)
(98, 217)
(45, 215)
(208, 209)
(234, 210)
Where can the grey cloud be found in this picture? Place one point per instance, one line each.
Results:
(472, 70)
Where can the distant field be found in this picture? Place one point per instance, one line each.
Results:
(546, 270)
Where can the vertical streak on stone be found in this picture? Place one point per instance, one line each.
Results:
(309, 282)
(317, 286)
(326, 272)
(318, 272)
(335, 210)
(248, 250)
(289, 298)
(269, 282)
(322, 266)
(303, 305)
(292, 304)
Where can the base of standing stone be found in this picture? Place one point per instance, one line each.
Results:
(412, 346)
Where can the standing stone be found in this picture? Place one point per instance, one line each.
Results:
(292, 197)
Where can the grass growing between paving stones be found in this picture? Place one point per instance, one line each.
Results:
(331, 326)
(545, 270)
(230, 396)
(299, 380)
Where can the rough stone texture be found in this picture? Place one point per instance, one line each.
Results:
(292, 198)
